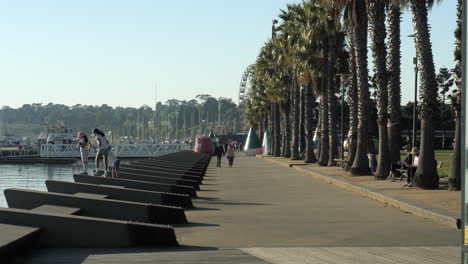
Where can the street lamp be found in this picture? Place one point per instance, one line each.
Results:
(203, 127)
(415, 106)
(219, 111)
(273, 29)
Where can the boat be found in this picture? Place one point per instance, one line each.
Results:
(10, 141)
(56, 135)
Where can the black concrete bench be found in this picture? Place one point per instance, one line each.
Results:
(139, 185)
(139, 176)
(16, 240)
(151, 172)
(94, 207)
(121, 193)
(73, 231)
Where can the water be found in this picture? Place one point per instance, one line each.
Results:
(33, 177)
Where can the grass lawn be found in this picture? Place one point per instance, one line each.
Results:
(445, 156)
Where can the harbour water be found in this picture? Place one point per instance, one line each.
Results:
(33, 176)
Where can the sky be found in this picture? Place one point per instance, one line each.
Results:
(116, 52)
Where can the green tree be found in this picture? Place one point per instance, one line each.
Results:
(426, 175)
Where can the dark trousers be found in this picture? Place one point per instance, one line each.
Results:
(218, 163)
(410, 172)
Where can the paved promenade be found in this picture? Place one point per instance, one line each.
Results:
(259, 212)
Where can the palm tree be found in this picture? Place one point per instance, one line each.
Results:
(352, 97)
(358, 20)
(455, 171)
(308, 58)
(376, 12)
(394, 80)
(290, 29)
(332, 24)
(426, 175)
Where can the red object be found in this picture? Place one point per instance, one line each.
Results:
(204, 145)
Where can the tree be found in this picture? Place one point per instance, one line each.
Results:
(359, 22)
(352, 90)
(376, 11)
(455, 171)
(426, 174)
(445, 82)
(394, 80)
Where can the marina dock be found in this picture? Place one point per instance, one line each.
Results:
(136, 210)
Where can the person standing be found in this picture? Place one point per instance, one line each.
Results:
(114, 165)
(412, 168)
(103, 151)
(230, 154)
(84, 150)
(219, 153)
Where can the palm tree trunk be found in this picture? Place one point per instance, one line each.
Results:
(324, 128)
(283, 128)
(272, 132)
(331, 102)
(376, 12)
(295, 122)
(426, 175)
(353, 103)
(302, 140)
(319, 131)
(309, 100)
(361, 161)
(277, 128)
(287, 134)
(394, 82)
(455, 171)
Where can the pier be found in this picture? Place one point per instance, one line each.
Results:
(101, 212)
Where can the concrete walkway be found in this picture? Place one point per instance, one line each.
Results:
(246, 213)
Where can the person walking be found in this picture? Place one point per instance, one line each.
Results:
(84, 150)
(219, 153)
(103, 151)
(230, 154)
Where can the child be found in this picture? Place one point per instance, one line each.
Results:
(114, 165)
(103, 150)
(84, 150)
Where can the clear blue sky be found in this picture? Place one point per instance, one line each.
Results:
(116, 51)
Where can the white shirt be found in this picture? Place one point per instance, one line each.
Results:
(415, 160)
(103, 140)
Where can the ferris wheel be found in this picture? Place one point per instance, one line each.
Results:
(244, 88)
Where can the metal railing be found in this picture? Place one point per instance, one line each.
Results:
(20, 153)
(119, 150)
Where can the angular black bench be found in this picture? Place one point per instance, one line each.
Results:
(139, 185)
(92, 205)
(73, 231)
(121, 193)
